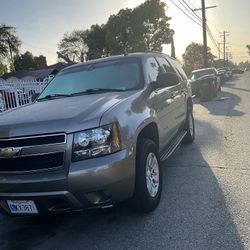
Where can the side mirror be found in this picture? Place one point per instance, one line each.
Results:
(166, 80)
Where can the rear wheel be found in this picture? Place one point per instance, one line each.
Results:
(215, 90)
(148, 184)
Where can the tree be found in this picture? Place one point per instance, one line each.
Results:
(24, 61)
(9, 43)
(144, 28)
(95, 40)
(119, 32)
(150, 26)
(3, 69)
(41, 62)
(72, 47)
(248, 47)
(193, 57)
(244, 65)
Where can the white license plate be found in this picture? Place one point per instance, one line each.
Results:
(22, 207)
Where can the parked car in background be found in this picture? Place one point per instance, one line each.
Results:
(226, 74)
(95, 136)
(205, 83)
(237, 71)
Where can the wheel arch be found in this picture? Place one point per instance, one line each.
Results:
(151, 132)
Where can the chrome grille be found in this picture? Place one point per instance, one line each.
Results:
(36, 153)
(32, 141)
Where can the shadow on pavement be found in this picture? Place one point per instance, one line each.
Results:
(192, 215)
(228, 104)
(241, 89)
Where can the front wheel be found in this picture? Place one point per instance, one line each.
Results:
(148, 185)
(190, 129)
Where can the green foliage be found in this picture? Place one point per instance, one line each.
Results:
(95, 40)
(73, 46)
(220, 64)
(150, 26)
(193, 57)
(24, 61)
(3, 69)
(144, 28)
(248, 47)
(9, 42)
(119, 32)
(244, 65)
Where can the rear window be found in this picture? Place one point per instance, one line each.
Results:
(198, 74)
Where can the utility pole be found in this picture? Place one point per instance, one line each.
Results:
(224, 34)
(173, 48)
(204, 28)
(219, 50)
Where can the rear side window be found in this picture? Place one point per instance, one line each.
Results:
(152, 69)
(179, 70)
(166, 67)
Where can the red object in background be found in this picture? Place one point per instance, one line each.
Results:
(41, 62)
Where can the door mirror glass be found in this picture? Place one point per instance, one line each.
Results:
(166, 80)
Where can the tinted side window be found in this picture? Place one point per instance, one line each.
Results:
(152, 69)
(166, 67)
(179, 70)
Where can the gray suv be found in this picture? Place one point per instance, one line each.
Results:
(96, 136)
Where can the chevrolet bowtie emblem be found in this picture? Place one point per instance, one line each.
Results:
(9, 152)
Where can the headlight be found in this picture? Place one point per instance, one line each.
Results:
(96, 142)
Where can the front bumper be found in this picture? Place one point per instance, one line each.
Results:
(92, 183)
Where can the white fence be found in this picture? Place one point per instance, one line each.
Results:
(19, 93)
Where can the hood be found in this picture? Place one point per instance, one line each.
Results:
(66, 115)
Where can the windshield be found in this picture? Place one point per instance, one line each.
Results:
(198, 74)
(112, 75)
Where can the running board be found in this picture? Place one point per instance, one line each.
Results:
(173, 145)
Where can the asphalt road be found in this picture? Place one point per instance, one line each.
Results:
(205, 200)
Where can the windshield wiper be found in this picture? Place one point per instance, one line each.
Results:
(87, 91)
(96, 90)
(47, 97)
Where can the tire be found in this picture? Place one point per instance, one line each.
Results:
(190, 129)
(145, 199)
(219, 88)
(215, 90)
(206, 94)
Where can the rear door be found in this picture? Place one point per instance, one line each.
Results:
(179, 93)
(169, 119)
(162, 101)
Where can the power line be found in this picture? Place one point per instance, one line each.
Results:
(194, 5)
(189, 10)
(194, 13)
(185, 13)
(213, 39)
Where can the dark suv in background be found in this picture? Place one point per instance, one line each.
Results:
(205, 83)
(95, 136)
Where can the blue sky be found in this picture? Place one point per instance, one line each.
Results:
(41, 24)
